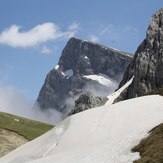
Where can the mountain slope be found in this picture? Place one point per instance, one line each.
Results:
(83, 66)
(15, 131)
(147, 65)
(104, 134)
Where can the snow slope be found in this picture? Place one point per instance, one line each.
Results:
(100, 135)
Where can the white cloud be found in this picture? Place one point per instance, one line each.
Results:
(46, 50)
(106, 29)
(93, 38)
(114, 31)
(39, 34)
(14, 101)
(5, 72)
(74, 26)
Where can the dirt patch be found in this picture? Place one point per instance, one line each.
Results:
(9, 141)
(151, 148)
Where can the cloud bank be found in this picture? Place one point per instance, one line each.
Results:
(14, 37)
(15, 102)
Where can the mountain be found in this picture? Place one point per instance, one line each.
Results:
(103, 134)
(124, 132)
(15, 131)
(147, 65)
(83, 66)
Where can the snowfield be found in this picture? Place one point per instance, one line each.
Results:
(101, 135)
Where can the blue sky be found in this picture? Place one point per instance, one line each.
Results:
(34, 32)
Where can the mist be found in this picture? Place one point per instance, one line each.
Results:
(100, 90)
(15, 102)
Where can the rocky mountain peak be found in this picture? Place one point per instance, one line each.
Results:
(85, 57)
(154, 30)
(83, 66)
(147, 65)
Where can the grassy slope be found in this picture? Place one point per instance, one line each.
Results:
(151, 148)
(29, 129)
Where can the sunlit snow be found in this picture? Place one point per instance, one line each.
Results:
(104, 134)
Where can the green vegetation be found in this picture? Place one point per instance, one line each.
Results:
(29, 129)
(156, 92)
(151, 148)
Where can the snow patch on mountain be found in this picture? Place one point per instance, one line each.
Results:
(68, 73)
(86, 57)
(57, 67)
(114, 95)
(102, 79)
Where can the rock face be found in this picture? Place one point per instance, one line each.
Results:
(147, 65)
(72, 76)
(86, 58)
(87, 101)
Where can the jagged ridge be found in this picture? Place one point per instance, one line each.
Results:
(147, 65)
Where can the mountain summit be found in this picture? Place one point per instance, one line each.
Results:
(147, 65)
(83, 66)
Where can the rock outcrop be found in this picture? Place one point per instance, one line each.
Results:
(147, 65)
(87, 101)
(72, 76)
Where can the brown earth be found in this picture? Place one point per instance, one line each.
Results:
(151, 148)
(9, 141)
